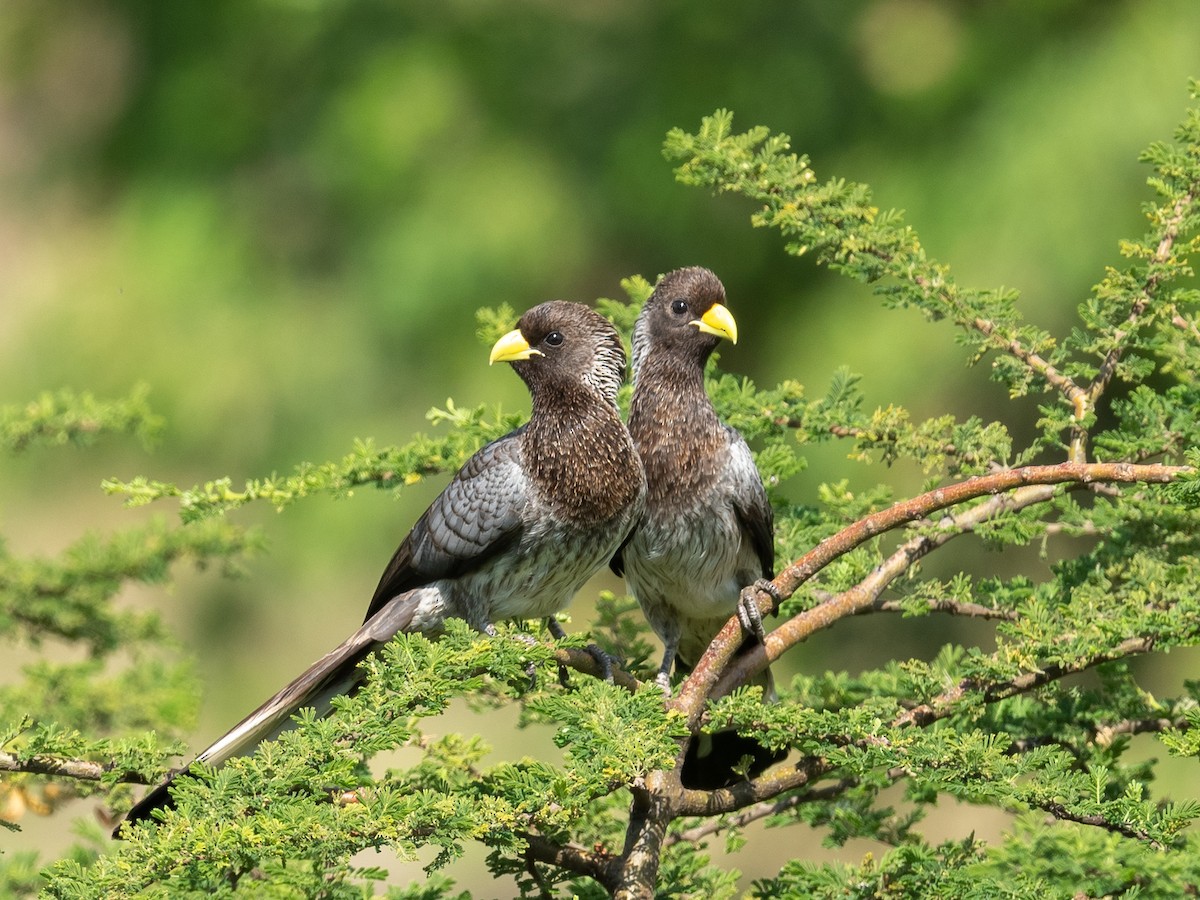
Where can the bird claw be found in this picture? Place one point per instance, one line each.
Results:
(748, 612)
(603, 659)
(767, 586)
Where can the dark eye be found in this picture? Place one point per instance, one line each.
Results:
(554, 338)
(679, 307)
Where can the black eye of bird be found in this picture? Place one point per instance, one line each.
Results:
(679, 307)
(554, 338)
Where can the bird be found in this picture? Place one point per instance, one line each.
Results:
(514, 535)
(707, 530)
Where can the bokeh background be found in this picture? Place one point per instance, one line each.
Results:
(282, 214)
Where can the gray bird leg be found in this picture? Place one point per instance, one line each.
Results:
(670, 647)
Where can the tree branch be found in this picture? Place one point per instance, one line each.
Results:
(572, 857)
(583, 662)
(652, 811)
(1187, 325)
(1105, 734)
(81, 769)
(1162, 253)
(946, 703)
(1013, 347)
(765, 808)
(952, 607)
(770, 784)
(709, 670)
(1061, 813)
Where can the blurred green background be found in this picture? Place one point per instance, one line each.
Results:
(282, 214)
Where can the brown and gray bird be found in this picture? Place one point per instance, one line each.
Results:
(525, 522)
(707, 530)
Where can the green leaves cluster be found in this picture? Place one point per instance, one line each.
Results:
(55, 419)
(390, 467)
(105, 703)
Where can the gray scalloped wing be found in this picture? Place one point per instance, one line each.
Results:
(478, 516)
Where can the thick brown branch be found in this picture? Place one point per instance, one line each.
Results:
(653, 809)
(762, 810)
(699, 685)
(770, 784)
(573, 858)
(865, 595)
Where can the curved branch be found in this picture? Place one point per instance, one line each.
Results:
(865, 595)
(572, 857)
(770, 784)
(709, 670)
(765, 808)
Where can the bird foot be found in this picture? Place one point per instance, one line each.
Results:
(748, 612)
(603, 659)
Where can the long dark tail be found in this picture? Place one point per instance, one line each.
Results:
(334, 673)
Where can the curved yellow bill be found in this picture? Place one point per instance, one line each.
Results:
(719, 321)
(511, 347)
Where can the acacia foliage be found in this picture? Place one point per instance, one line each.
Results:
(1038, 719)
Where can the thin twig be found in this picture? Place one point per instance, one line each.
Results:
(1162, 253)
(1034, 361)
(1097, 821)
(953, 607)
(947, 702)
(81, 769)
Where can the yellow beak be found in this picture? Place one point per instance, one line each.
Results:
(511, 347)
(717, 321)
